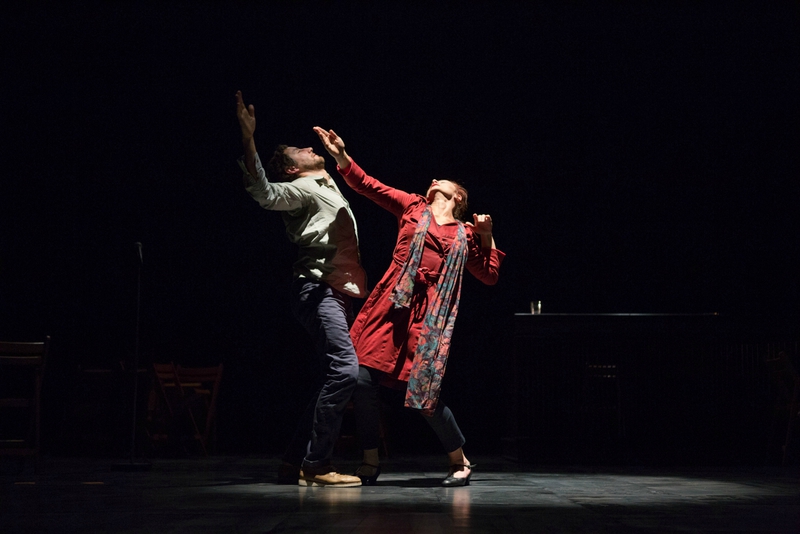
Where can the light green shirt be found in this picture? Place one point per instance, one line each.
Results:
(318, 219)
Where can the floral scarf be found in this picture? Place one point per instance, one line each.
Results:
(433, 346)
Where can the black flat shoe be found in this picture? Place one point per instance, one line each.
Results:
(453, 482)
(371, 480)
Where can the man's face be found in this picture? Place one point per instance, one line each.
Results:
(305, 158)
(446, 187)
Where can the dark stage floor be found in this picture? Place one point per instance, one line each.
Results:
(240, 494)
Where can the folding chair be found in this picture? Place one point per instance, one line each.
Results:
(199, 389)
(21, 369)
(182, 406)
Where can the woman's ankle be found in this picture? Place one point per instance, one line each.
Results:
(371, 457)
(367, 470)
(457, 457)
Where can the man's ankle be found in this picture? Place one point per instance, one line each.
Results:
(314, 470)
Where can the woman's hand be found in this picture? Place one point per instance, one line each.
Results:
(332, 142)
(483, 227)
(334, 145)
(482, 224)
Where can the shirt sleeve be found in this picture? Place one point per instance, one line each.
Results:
(482, 263)
(272, 196)
(389, 198)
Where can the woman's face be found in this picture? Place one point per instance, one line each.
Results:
(446, 187)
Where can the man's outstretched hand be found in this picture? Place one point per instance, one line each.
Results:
(246, 115)
(334, 145)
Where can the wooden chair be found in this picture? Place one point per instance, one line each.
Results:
(21, 370)
(787, 398)
(200, 388)
(182, 406)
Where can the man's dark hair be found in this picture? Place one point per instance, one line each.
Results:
(278, 164)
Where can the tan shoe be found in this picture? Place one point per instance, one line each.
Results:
(331, 479)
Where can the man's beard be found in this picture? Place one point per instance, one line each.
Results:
(318, 165)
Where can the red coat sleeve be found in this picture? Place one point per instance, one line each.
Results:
(483, 266)
(389, 198)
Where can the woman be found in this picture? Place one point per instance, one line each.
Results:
(402, 333)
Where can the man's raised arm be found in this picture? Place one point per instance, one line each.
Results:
(247, 121)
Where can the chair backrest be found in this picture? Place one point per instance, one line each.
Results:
(207, 377)
(23, 353)
(19, 355)
(165, 372)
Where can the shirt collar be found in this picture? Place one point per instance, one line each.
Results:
(324, 180)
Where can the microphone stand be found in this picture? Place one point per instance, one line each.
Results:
(133, 465)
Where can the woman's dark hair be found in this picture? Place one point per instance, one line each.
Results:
(278, 164)
(461, 206)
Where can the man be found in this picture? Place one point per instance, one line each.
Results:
(327, 275)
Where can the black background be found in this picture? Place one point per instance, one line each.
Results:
(635, 157)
